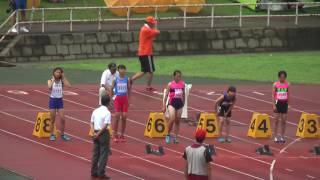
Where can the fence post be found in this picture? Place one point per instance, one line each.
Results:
(184, 17)
(156, 15)
(17, 20)
(268, 17)
(71, 20)
(128, 19)
(99, 19)
(42, 19)
(212, 16)
(240, 16)
(297, 14)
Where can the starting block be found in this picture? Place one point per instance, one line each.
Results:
(308, 126)
(264, 150)
(158, 152)
(42, 125)
(260, 126)
(91, 132)
(316, 150)
(157, 125)
(209, 122)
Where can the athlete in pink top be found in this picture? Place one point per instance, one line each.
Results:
(280, 98)
(176, 92)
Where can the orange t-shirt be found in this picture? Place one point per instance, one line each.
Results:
(146, 37)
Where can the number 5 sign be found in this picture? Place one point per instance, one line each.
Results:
(209, 122)
(42, 125)
(308, 126)
(156, 126)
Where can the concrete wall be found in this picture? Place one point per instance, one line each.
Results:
(47, 47)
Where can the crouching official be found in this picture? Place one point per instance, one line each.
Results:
(100, 121)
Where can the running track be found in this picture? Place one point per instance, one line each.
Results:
(41, 159)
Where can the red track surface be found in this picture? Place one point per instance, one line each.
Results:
(39, 158)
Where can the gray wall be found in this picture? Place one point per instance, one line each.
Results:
(46, 47)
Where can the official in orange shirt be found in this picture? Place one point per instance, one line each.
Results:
(145, 52)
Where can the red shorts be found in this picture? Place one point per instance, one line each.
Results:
(121, 104)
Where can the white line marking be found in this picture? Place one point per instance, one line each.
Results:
(225, 167)
(268, 102)
(18, 92)
(258, 160)
(116, 150)
(279, 154)
(290, 170)
(201, 97)
(111, 148)
(64, 152)
(156, 92)
(311, 177)
(215, 164)
(70, 93)
(255, 92)
(211, 93)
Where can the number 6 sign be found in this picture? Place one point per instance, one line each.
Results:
(156, 125)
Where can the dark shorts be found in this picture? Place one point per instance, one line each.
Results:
(197, 177)
(147, 64)
(55, 103)
(20, 4)
(177, 103)
(222, 111)
(281, 107)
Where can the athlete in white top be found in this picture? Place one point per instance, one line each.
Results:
(55, 85)
(107, 77)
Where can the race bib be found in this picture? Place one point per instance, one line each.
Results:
(178, 92)
(122, 87)
(282, 95)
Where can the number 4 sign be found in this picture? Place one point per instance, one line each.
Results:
(156, 126)
(42, 125)
(209, 122)
(308, 126)
(260, 126)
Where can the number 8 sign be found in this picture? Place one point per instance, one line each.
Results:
(209, 122)
(156, 126)
(42, 125)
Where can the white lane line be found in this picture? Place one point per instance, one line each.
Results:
(179, 135)
(156, 92)
(249, 110)
(215, 164)
(278, 155)
(289, 170)
(311, 177)
(64, 152)
(138, 157)
(255, 92)
(219, 165)
(268, 102)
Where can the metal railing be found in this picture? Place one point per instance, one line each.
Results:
(128, 19)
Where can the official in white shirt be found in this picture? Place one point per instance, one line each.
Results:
(107, 77)
(100, 121)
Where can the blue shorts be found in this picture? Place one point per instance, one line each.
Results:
(55, 103)
(20, 4)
